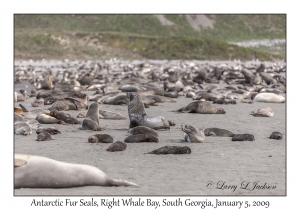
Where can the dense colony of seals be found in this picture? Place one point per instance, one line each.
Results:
(207, 88)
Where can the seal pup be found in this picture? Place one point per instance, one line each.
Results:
(171, 150)
(44, 136)
(192, 134)
(116, 146)
(137, 138)
(142, 130)
(33, 172)
(243, 137)
(201, 107)
(139, 117)
(100, 138)
(50, 130)
(22, 128)
(276, 135)
(269, 98)
(64, 117)
(91, 121)
(266, 112)
(218, 132)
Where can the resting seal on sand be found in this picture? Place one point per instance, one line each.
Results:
(44, 136)
(22, 128)
(269, 98)
(38, 102)
(192, 134)
(64, 117)
(33, 172)
(91, 122)
(171, 150)
(276, 135)
(266, 112)
(243, 137)
(201, 107)
(103, 114)
(142, 130)
(137, 138)
(218, 132)
(117, 146)
(139, 117)
(44, 118)
(101, 138)
(50, 130)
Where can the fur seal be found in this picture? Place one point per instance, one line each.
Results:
(223, 101)
(47, 83)
(266, 112)
(33, 113)
(139, 117)
(50, 130)
(218, 132)
(142, 130)
(268, 78)
(137, 138)
(114, 100)
(171, 123)
(45, 118)
(64, 117)
(269, 98)
(22, 128)
(22, 96)
(104, 114)
(18, 118)
(38, 102)
(33, 172)
(44, 136)
(91, 121)
(192, 134)
(243, 137)
(34, 124)
(276, 135)
(117, 146)
(171, 150)
(100, 138)
(201, 107)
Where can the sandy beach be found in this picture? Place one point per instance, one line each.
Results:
(218, 166)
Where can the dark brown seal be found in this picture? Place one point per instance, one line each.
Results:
(117, 146)
(171, 150)
(243, 137)
(50, 130)
(44, 136)
(137, 138)
(276, 135)
(101, 138)
(64, 117)
(201, 107)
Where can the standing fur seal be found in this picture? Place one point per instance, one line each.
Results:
(218, 132)
(139, 117)
(33, 172)
(266, 112)
(100, 138)
(201, 107)
(91, 122)
(171, 150)
(243, 137)
(192, 134)
(44, 136)
(137, 138)
(117, 146)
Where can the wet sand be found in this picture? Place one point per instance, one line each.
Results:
(216, 163)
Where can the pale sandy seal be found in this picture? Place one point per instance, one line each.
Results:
(50, 130)
(117, 146)
(33, 172)
(266, 112)
(192, 134)
(223, 101)
(91, 121)
(22, 128)
(100, 138)
(114, 100)
(276, 135)
(137, 138)
(64, 117)
(104, 114)
(142, 130)
(44, 136)
(45, 118)
(139, 117)
(218, 132)
(269, 98)
(171, 150)
(243, 137)
(201, 107)
(34, 124)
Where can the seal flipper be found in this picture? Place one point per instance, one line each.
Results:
(19, 162)
(23, 108)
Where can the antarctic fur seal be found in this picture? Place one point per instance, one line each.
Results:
(266, 112)
(45, 118)
(100, 138)
(171, 150)
(91, 121)
(64, 117)
(243, 137)
(44, 136)
(142, 130)
(139, 117)
(33, 172)
(22, 128)
(137, 138)
(117, 146)
(218, 132)
(276, 135)
(50, 130)
(201, 107)
(192, 134)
